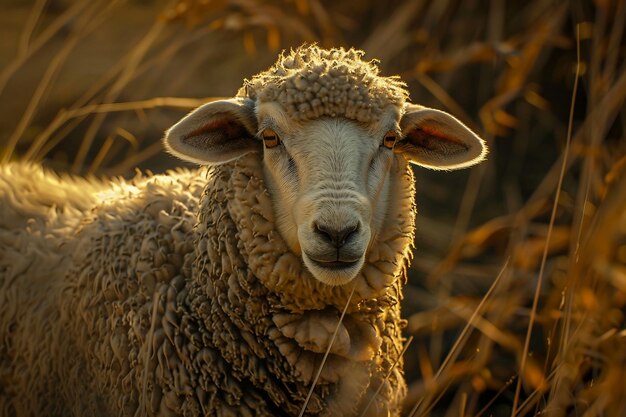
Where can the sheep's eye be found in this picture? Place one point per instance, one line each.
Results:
(390, 139)
(270, 138)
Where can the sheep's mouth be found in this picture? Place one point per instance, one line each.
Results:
(337, 271)
(335, 265)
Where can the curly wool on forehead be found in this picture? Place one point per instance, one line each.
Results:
(311, 82)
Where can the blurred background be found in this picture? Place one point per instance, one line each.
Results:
(517, 293)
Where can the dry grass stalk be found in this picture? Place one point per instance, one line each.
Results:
(395, 364)
(325, 357)
(461, 340)
(533, 311)
(89, 20)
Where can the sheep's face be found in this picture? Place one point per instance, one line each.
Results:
(330, 179)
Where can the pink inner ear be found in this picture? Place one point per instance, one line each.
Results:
(225, 128)
(430, 138)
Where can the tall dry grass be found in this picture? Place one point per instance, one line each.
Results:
(516, 298)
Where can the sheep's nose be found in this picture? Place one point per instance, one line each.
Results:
(338, 237)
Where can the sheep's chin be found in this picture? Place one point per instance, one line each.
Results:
(331, 276)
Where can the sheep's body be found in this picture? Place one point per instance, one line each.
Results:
(218, 292)
(139, 304)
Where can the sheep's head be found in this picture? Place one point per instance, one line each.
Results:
(333, 134)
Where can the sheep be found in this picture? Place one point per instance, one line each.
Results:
(218, 290)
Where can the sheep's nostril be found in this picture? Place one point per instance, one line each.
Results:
(323, 232)
(338, 237)
(346, 233)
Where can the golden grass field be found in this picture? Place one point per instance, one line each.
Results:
(516, 298)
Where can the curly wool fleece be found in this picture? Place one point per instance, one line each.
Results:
(311, 82)
(175, 295)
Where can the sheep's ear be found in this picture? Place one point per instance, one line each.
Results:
(435, 139)
(215, 132)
